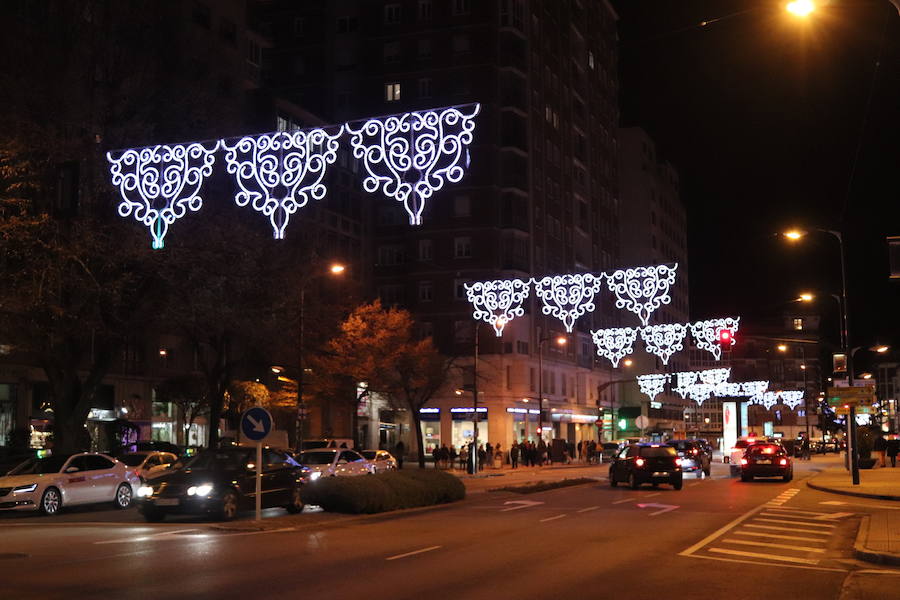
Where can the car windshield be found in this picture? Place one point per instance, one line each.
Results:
(40, 466)
(316, 458)
(657, 451)
(369, 454)
(133, 460)
(220, 460)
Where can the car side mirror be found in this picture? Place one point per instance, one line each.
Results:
(72, 469)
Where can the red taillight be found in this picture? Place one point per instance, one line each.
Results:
(695, 451)
(639, 462)
(678, 461)
(743, 461)
(783, 462)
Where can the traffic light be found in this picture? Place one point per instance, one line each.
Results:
(726, 338)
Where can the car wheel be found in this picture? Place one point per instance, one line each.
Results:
(228, 508)
(708, 470)
(678, 483)
(51, 501)
(633, 482)
(788, 476)
(123, 496)
(296, 504)
(153, 515)
(612, 479)
(745, 477)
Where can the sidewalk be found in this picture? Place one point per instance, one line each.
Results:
(878, 538)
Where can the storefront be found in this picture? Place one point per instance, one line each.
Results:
(463, 426)
(524, 423)
(431, 428)
(8, 409)
(574, 426)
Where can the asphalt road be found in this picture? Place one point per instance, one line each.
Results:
(716, 538)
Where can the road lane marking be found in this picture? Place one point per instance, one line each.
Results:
(779, 536)
(413, 553)
(798, 511)
(837, 503)
(695, 483)
(520, 504)
(801, 523)
(778, 528)
(551, 518)
(202, 534)
(624, 500)
(653, 494)
(787, 566)
(147, 538)
(802, 561)
(722, 530)
(665, 508)
(589, 508)
(772, 545)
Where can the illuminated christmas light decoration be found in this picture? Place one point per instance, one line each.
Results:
(410, 156)
(498, 302)
(792, 398)
(714, 376)
(700, 392)
(567, 297)
(642, 290)
(653, 384)
(754, 389)
(279, 173)
(615, 343)
(684, 380)
(664, 340)
(728, 389)
(767, 399)
(159, 184)
(707, 335)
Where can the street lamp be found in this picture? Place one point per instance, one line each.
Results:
(334, 269)
(560, 341)
(800, 8)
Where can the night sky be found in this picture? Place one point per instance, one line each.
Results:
(761, 113)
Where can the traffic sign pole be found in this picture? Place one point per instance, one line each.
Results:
(256, 424)
(258, 481)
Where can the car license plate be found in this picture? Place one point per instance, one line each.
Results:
(167, 502)
(764, 462)
(660, 473)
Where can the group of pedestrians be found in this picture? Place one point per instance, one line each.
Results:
(526, 453)
(887, 449)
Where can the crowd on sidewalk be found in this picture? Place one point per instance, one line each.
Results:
(525, 454)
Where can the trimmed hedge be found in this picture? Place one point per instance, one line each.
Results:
(392, 490)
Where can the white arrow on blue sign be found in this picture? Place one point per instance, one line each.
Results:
(256, 424)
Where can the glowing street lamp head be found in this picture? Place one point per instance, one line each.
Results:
(882, 349)
(627, 362)
(337, 269)
(800, 8)
(794, 234)
(806, 297)
(866, 376)
(782, 347)
(561, 340)
(277, 370)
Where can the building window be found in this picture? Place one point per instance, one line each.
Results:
(426, 330)
(254, 53)
(425, 250)
(462, 247)
(424, 10)
(798, 324)
(201, 15)
(391, 52)
(459, 289)
(299, 26)
(462, 206)
(391, 92)
(229, 31)
(460, 43)
(521, 347)
(461, 7)
(390, 255)
(508, 377)
(347, 24)
(463, 331)
(424, 48)
(425, 87)
(425, 291)
(591, 59)
(392, 14)
(391, 294)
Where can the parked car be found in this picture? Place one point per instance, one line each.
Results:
(329, 462)
(608, 451)
(693, 457)
(766, 460)
(646, 463)
(149, 464)
(327, 443)
(222, 482)
(380, 460)
(51, 482)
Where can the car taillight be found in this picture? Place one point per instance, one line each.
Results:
(678, 461)
(783, 462)
(639, 462)
(694, 452)
(743, 461)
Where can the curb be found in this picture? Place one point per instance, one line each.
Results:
(822, 488)
(862, 553)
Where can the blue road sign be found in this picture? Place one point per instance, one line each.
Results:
(256, 423)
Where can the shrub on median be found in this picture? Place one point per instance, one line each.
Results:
(383, 492)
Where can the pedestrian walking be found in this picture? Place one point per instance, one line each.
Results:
(463, 457)
(514, 456)
(893, 448)
(399, 451)
(489, 454)
(881, 448)
(482, 455)
(436, 455)
(453, 455)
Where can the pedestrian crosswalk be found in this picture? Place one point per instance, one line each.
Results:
(784, 497)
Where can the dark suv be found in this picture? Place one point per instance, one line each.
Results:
(646, 463)
(694, 458)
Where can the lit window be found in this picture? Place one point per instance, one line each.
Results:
(591, 59)
(798, 324)
(392, 92)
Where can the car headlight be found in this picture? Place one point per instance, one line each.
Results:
(144, 491)
(315, 475)
(24, 489)
(200, 490)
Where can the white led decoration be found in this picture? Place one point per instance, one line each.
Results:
(706, 334)
(652, 384)
(498, 302)
(684, 380)
(615, 343)
(728, 389)
(767, 399)
(792, 399)
(664, 340)
(754, 389)
(279, 173)
(714, 376)
(700, 392)
(642, 290)
(410, 156)
(567, 297)
(159, 184)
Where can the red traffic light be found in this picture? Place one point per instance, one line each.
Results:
(725, 336)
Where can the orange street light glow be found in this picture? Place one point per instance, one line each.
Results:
(800, 8)
(561, 341)
(882, 349)
(627, 362)
(337, 269)
(806, 297)
(793, 234)
(782, 348)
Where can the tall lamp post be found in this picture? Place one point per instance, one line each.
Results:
(335, 269)
(560, 341)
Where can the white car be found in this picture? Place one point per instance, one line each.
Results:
(149, 464)
(328, 462)
(49, 483)
(736, 453)
(381, 460)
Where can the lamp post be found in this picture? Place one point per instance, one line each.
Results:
(560, 341)
(335, 269)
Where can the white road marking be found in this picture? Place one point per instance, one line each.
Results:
(653, 494)
(147, 538)
(831, 516)
(721, 531)
(772, 545)
(801, 523)
(798, 511)
(624, 500)
(803, 561)
(589, 508)
(693, 484)
(413, 553)
(168, 535)
(551, 518)
(778, 536)
(778, 528)
(665, 508)
(786, 566)
(520, 504)
(837, 503)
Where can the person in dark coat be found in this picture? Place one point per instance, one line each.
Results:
(482, 455)
(399, 451)
(514, 456)
(893, 448)
(881, 448)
